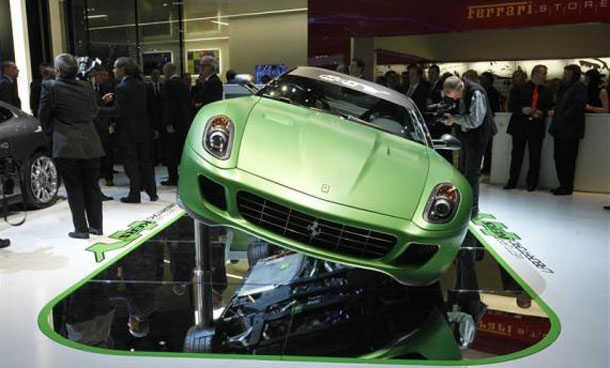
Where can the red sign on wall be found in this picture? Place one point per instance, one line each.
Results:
(331, 24)
(535, 12)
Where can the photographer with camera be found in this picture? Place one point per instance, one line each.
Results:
(67, 109)
(476, 127)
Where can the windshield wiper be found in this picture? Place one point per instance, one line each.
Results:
(353, 118)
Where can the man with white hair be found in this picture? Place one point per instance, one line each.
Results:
(211, 87)
(67, 111)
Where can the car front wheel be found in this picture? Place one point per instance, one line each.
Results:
(41, 181)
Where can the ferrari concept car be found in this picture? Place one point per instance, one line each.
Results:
(331, 166)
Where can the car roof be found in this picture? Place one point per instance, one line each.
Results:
(354, 83)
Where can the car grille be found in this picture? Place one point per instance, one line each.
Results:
(314, 231)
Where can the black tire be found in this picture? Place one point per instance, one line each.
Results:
(199, 340)
(259, 251)
(40, 181)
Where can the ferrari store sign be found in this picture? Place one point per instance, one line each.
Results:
(535, 12)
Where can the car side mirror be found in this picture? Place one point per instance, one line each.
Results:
(245, 80)
(447, 142)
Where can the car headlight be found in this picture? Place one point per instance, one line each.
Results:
(218, 136)
(443, 204)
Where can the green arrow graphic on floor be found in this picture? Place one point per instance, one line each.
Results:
(124, 237)
(494, 228)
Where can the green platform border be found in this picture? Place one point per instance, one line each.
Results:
(45, 327)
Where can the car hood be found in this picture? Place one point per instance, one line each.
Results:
(333, 159)
(19, 126)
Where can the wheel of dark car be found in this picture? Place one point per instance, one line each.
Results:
(40, 181)
(199, 340)
(259, 251)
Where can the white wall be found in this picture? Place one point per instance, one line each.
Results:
(270, 39)
(58, 39)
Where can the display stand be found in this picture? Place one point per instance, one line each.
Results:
(199, 338)
(202, 275)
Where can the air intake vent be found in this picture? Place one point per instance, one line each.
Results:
(213, 192)
(417, 254)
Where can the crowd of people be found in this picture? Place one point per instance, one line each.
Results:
(531, 101)
(90, 121)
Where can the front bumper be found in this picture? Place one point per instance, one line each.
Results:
(235, 180)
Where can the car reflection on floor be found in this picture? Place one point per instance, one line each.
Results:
(289, 304)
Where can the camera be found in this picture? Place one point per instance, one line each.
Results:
(87, 66)
(436, 113)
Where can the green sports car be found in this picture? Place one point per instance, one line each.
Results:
(332, 166)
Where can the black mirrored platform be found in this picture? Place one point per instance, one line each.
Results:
(285, 304)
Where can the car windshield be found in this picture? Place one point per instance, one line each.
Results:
(352, 102)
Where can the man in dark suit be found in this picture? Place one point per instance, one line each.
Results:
(177, 120)
(130, 110)
(530, 103)
(8, 84)
(231, 75)
(156, 106)
(46, 71)
(105, 130)
(436, 84)
(568, 127)
(487, 81)
(67, 109)
(211, 87)
(435, 96)
(418, 89)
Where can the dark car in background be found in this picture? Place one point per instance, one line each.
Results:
(27, 171)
